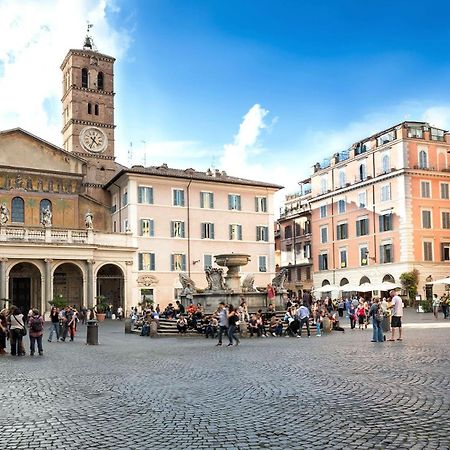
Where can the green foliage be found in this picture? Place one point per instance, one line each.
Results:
(101, 305)
(427, 306)
(59, 301)
(409, 281)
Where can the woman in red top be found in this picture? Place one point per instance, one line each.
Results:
(361, 314)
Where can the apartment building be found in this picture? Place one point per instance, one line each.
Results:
(382, 208)
(295, 239)
(182, 218)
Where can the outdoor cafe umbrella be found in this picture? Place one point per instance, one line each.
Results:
(386, 286)
(441, 281)
(328, 288)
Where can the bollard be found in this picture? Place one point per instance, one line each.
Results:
(92, 332)
(127, 326)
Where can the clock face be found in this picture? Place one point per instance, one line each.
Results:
(93, 139)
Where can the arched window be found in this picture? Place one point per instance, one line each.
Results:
(84, 78)
(100, 81)
(389, 278)
(96, 110)
(385, 163)
(423, 159)
(89, 108)
(17, 210)
(323, 185)
(342, 178)
(362, 172)
(343, 282)
(325, 283)
(45, 203)
(363, 280)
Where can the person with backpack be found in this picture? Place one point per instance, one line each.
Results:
(36, 327)
(376, 314)
(16, 331)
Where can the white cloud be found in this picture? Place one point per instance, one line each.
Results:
(34, 38)
(439, 116)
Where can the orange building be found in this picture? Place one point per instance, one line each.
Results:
(382, 208)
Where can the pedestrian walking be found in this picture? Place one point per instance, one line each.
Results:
(222, 316)
(17, 330)
(233, 318)
(3, 330)
(444, 305)
(376, 315)
(397, 314)
(436, 303)
(36, 327)
(54, 324)
(303, 317)
(352, 315)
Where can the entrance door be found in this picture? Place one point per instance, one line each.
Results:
(22, 294)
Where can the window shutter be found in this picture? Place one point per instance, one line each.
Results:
(229, 202)
(182, 229)
(182, 198)
(202, 199)
(212, 231)
(230, 231)
(240, 232)
(142, 227)
(256, 205)
(442, 253)
(203, 226)
(380, 223)
(238, 202)
(211, 200)
(152, 227)
(152, 261)
(183, 262)
(172, 262)
(266, 230)
(140, 263)
(139, 195)
(172, 233)
(257, 233)
(175, 197)
(150, 195)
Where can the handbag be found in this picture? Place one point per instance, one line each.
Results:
(23, 330)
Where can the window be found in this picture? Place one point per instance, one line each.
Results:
(45, 205)
(386, 138)
(125, 226)
(308, 273)
(323, 185)
(178, 262)
(342, 180)
(147, 227)
(234, 202)
(425, 189)
(414, 132)
(207, 230)
(298, 249)
(437, 135)
(261, 204)
(362, 172)
(17, 210)
(177, 228)
(385, 193)
(207, 261)
(385, 222)
(178, 197)
(288, 232)
(323, 235)
(323, 211)
(100, 81)
(299, 274)
(125, 198)
(84, 78)
(307, 227)
(341, 206)
(444, 191)
(385, 164)
(147, 296)
(423, 159)
(445, 251)
(206, 200)
(145, 195)
(362, 227)
(343, 257)
(96, 110)
(342, 231)
(427, 251)
(363, 256)
(307, 251)
(362, 199)
(262, 263)
(323, 261)
(89, 108)
(426, 219)
(386, 253)
(235, 232)
(146, 261)
(262, 233)
(446, 220)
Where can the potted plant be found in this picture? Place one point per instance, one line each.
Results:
(100, 308)
(58, 301)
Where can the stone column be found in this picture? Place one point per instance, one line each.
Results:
(47, 284)
(3, 262)
(90, 283)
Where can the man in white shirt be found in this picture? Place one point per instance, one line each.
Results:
(397, 314)
(303, 317)
(222, 316)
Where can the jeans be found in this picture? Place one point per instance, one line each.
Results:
(305, 320)
(222, 331)
(377, 331)
(33, 341)
(445, 311)
(232, 334)
(54, 327)
(352, 322)
(15, 341)
(70, 330)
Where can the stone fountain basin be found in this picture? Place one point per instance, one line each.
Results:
(232, 259)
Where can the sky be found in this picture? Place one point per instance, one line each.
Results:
(262, 89)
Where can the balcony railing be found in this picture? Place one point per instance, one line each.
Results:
(45, 235)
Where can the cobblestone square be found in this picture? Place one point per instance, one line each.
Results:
(338, 391)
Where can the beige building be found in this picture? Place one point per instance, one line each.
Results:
(76, 223)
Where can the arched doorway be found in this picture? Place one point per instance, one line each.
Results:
(25, 288)
(110, 282)
(68, 283)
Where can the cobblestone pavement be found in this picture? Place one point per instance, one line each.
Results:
(339, 391)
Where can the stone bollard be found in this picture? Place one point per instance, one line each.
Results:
(127, 326)
(153, 329)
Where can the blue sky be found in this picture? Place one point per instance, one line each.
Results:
(262, 89)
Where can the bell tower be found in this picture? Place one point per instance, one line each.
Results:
(88, 113)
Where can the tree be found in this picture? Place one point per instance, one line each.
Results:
(59, 301)
(410, 280)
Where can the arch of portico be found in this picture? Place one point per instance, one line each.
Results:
(110, 282)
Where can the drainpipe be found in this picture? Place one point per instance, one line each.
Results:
(373, 210)
(188, 201)
(119, 206)
(332, 228)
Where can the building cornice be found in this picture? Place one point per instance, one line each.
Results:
(86, 123)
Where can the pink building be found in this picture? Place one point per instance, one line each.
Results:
(382, 208)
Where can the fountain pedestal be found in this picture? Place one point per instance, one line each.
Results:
(233, 262)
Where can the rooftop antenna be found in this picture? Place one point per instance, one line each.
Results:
(145, 153)
(130, 154)
(88, 41)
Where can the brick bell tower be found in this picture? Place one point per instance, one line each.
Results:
(88, 114)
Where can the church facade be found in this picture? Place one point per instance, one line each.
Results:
(76, 223)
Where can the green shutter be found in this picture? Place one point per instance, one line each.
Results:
(202, 230)
(202, 199)
(211, 200)
(182, 229)
(150, 195)
(172, 234)
(230, 205)
(238, 197)
(240, 232)
(256, 204)
(183, 263)
(152, 261)
(139, 195)
(172, 263)
(152, 227)
(212, 231)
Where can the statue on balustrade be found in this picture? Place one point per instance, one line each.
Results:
(47, 217)
(89, 220)
(4, 214)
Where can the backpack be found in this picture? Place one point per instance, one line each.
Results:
(379, 314)
(36, 324)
